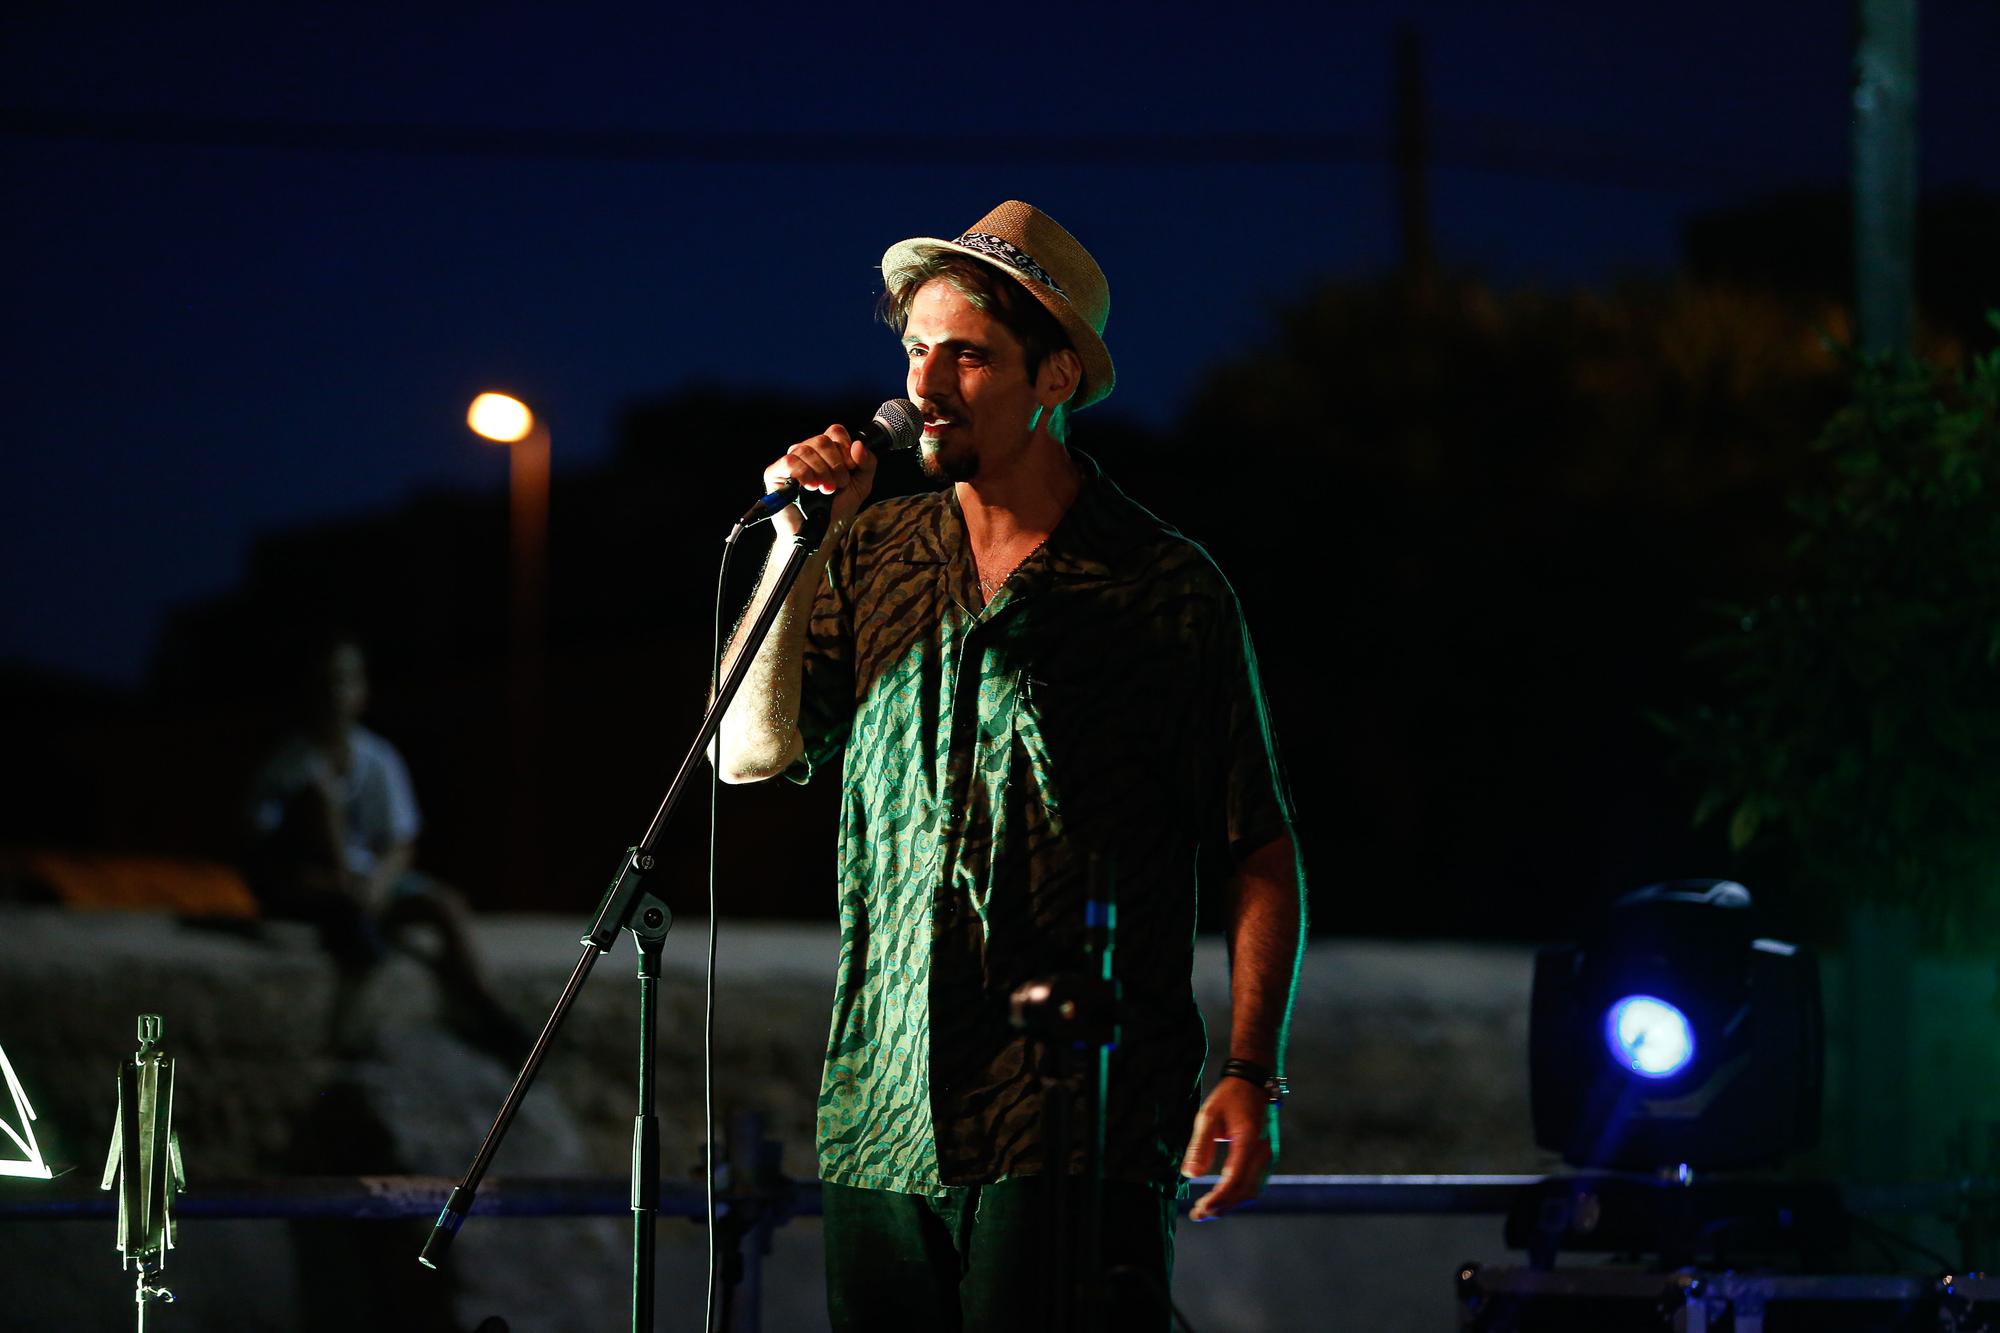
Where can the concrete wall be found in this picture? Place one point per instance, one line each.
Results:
(1406, 1057)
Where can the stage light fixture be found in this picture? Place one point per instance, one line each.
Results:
(1676, 1036)
(1649, 1036)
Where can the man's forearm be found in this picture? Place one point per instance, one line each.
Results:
(1267, 921)
(759, 736)
(394, 864)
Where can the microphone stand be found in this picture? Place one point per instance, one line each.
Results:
(628, 905)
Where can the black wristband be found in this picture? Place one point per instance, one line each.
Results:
(1276, 1089)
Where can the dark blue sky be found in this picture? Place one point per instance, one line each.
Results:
(253, 278)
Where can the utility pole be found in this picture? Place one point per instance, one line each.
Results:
(1412, 155)
(1885, 173)
(1880, 1109)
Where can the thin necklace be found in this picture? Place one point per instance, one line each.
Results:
(990, 588)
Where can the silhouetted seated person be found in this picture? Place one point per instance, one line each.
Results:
(334, 826)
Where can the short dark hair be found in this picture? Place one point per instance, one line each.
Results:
(993, 292)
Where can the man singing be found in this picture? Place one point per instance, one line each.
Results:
(1030, 676)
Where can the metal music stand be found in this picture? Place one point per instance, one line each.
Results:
(145, 1165)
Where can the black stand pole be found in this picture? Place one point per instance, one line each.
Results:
(646, 1134)
(1090, 1287)
(1076, 1015)
(627, 905)
(755, 1199)
(1100, 928)
(1058, 1142)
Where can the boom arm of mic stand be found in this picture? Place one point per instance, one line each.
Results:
(627, 897)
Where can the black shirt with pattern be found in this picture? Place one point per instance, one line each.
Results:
(1105, 704)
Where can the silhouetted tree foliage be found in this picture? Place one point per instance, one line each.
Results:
(50, 772)
(1854, 720)
(1800, 245)
(1474, 530)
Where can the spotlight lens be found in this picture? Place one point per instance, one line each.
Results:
(1648, 1036)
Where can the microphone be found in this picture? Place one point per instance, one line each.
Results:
(897, 425)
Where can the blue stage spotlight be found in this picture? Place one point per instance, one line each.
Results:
(1649, 1036)
(1676, 1035)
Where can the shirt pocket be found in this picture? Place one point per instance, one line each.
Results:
(1100, 743)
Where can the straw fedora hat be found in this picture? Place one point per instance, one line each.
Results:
(1030, 247)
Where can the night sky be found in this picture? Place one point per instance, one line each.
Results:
(260, 258)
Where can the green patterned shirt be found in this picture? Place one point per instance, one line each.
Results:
(1106, 702)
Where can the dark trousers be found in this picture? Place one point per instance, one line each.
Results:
(976, 1259)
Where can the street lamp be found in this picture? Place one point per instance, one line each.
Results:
(506, 420)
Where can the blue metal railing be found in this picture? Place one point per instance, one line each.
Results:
(389, 1198)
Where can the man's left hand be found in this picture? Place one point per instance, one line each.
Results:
(1240, 1113)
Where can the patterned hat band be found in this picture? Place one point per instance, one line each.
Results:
(1013, 256)
(1080, 303)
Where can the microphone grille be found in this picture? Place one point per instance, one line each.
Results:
(899, 416)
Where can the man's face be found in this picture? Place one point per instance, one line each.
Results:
(346, 684)
(969, 377)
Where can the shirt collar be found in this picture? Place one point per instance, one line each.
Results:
(1095, 528)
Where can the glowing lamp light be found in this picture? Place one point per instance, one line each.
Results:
(1648, 1036)
(500, 418)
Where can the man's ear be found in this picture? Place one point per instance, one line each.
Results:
(1060, 376)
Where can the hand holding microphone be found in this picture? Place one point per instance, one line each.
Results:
(836, 467)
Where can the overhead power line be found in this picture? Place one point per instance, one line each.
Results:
(1487, 145)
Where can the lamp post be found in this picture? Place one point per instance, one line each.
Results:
(505, 420)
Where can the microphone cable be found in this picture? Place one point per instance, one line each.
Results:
(708, 989)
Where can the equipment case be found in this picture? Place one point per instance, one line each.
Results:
(1498, 1298)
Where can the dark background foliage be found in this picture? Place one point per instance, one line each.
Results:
(1855, 712)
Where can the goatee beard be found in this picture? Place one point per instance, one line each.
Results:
(959, 467)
